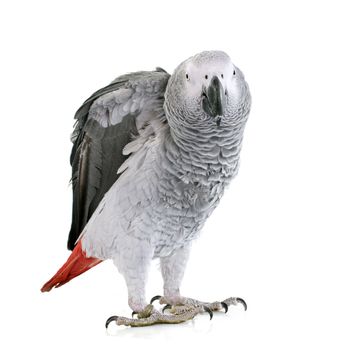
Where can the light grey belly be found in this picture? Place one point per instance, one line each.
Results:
(179, 224)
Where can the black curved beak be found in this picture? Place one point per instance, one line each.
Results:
(213, 98)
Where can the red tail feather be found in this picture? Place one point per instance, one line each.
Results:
(76, 264)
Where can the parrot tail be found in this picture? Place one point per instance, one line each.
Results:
(76, 264)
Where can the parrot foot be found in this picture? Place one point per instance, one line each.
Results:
(152, 316)
(146, 312)
(181, 310)
(178, 303)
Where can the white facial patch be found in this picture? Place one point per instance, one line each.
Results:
(198, 76)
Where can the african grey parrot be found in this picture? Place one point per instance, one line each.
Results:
(152, 156)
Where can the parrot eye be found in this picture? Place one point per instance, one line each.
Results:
(206, 77)
(187, 77)
(234, 72)
(222, 76)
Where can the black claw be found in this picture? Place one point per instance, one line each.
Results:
(133, 313)
(239, 300)
(157, 297)
(167, 306)
(208, 311)
(112, 318)
(225, 306)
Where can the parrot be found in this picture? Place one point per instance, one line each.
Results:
(152, 156)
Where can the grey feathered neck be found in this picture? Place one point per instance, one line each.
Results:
(205, 153)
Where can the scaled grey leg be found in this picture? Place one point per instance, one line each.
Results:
(134, 267)
(173, 268)
(147, 314)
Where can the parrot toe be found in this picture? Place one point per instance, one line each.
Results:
(157, 297)
(167, 306)
(146, 312)
(110, 319)
(189, 302)
(234, 301)
(225, 306)
(180, 309)
(207, 309)
(241, 301)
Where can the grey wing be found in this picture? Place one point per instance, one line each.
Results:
(106, 122)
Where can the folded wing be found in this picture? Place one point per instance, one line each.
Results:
(106, 122)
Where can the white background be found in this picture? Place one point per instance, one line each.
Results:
(279, 239)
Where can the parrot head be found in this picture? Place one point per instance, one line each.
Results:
(206, 90)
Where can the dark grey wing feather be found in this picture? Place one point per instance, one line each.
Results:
(98, 142)
(82, 113)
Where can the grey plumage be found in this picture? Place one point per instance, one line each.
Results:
(105, 124)
(152, 157)
(178, 165)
